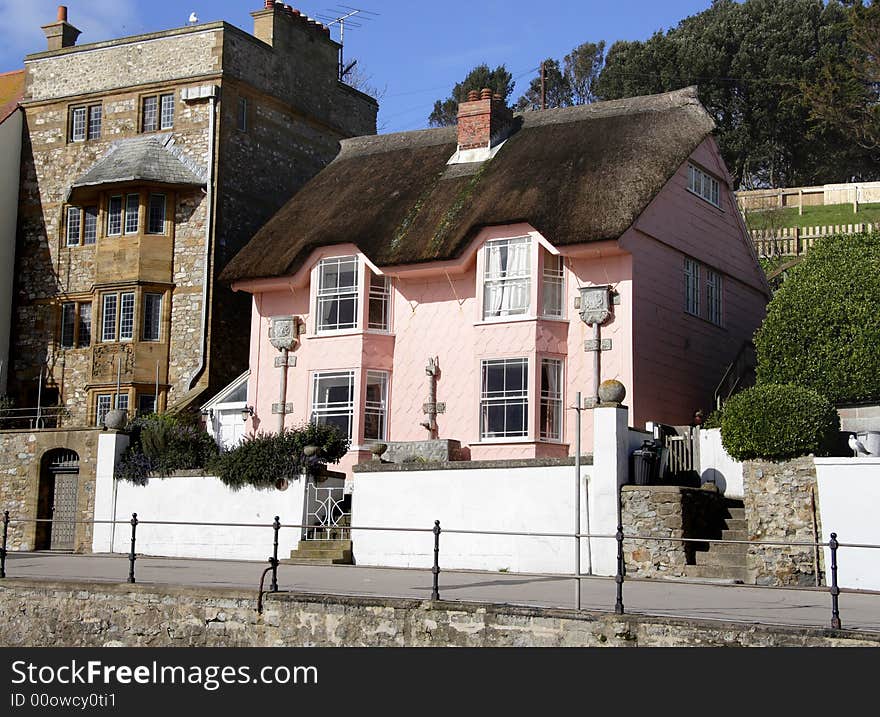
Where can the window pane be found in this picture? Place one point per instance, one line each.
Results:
(68, 324)
(376, 405)
(692, 286)
(504, 400)
(122, 401)
(507, 277)
(337, 294)
(95, 117)
(108, 318)
(114, 216)
(552, 301)
(551, 399)
(380, 302)
(150, 117)
(126, 317)
(90, 225)
(73, 218)
(146, 403)
(167, 119)
(102, 406)
(333, 400)
(156, 224)
(78, 124)
(84, 336)
(152, 316)
(132, 203)
(242, 114)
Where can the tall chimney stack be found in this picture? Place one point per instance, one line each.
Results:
(484, 120)
(61, 33)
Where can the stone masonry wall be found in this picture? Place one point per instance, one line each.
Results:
(88, 615)
(21, 454)
(780, 506)
(666, 512)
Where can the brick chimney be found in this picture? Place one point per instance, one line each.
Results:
(274, 22)
(61, 33)
(483, 120)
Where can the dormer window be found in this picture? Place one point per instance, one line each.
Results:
(337, 296)
(704, 185)
(507, 277)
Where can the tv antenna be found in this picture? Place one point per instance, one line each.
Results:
(342, 15)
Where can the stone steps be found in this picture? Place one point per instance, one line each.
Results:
(724, 561)
(739, 574)
(736, 524)
(321, 552)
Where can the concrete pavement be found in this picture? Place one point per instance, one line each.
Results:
(737, 603)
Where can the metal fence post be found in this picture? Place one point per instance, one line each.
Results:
(835, 591)
(273, 561)
(621, 570)
(3, 548)
(435, 589)
(131, 555)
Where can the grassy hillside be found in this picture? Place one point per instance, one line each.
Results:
(829, 215)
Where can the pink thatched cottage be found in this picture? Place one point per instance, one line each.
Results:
(456, 283)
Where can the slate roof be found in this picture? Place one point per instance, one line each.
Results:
(150, 158)
(11, 92)
(578, 174)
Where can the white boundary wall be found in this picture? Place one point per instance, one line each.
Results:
(849, 498)
(716, 465)
(191, 499)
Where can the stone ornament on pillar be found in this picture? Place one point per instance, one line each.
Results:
(595, 304)
(611, 393)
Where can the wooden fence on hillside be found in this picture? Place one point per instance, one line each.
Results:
(793, 241)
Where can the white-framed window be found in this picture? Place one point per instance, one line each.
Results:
(157, 112)
(114, 216)
(132, 207)
(76, 324)
(105, 402)
(704, 185)
(156, 214)
(507, 277)
(82, 226)
(242, 114)
(714, 294)
(376, 406)
(379, 303)
(117, 316)
(337, 296)
(504, 398)
(692, 287)
(552, 286)
(551, 400)
(152, 327)
(85, 122)
(333, 400)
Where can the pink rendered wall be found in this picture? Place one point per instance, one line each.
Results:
(439, 314)
(679, 358)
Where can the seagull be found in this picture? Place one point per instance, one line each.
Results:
(858, 448)
(193, 19)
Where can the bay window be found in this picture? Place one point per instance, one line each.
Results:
(376, 406)
(114, 216)
(151, 329)
(333, 400)
(106, 402)
(380, 303)
(504, 398)
(551, 400)
(156, 214)
(507, 277)
(552, 286)
(117, 316)
(337, 294)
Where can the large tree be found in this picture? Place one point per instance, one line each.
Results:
(751, 61)
(499, 80)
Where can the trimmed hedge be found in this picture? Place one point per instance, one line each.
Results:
(261, 460)
(822, 328)
(778, 422)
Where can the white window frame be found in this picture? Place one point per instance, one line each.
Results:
(327, 295)
(714, 297)
(110, 402)
(508, 398)
(166, 111)
(704, 185)
(330, 409)
(378, 409)
(79, 123)
(131, 214)
(550, 402)
(691, 286)
(553, 280)
(74, 226)
(150, 120)
(94, 121)
(504, 285)
(112, 330)
(380, 296)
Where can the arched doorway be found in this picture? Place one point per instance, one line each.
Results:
(56, 501)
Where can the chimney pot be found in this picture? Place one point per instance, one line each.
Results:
(486, 94)
(269, 4)
(62, 13)
(473, 96)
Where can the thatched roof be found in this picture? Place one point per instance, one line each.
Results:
(579, 174)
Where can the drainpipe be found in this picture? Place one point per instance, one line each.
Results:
(282, 392)
(209, 228)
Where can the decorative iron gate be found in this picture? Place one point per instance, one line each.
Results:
(328, 515)
(64, 471)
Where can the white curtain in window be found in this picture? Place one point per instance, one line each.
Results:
(508, 278)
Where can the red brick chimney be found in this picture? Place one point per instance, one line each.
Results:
(61, 33)
(483, 120)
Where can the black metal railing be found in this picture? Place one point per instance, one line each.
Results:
(620, 537)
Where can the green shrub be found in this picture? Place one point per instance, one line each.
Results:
(164, 443)
(822, 327)
(778, 422)
(261, 460)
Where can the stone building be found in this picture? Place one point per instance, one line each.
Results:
(147, 162)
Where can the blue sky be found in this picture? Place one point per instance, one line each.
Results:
(412, 51)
